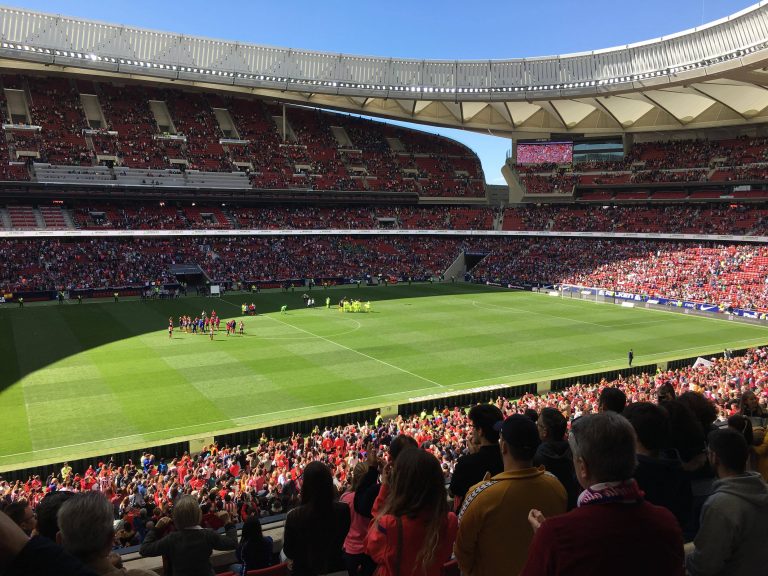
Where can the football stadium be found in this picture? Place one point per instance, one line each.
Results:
(260, 315)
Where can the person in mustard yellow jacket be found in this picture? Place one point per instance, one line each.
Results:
(494, 533)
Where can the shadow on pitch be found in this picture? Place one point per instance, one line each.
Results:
(37, 336)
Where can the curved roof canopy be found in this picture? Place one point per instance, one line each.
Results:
(713, 75)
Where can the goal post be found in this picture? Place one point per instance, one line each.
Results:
(590, 293)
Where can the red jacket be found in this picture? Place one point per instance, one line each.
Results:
(613, 538)
(382, 542)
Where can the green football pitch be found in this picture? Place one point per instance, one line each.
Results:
(96, 378)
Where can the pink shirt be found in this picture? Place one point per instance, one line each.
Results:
(358, 527)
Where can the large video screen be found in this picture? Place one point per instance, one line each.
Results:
(545, 152)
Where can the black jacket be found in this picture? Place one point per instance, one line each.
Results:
(315, 544)
(472, 468)
(557, 459)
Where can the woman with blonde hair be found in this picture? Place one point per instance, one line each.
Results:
(188, 549)
(413, 533)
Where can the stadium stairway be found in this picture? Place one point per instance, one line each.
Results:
(457, 269)
(5, 219)
(69, 219)
(498, 220)
(39, 220)
(341, 137)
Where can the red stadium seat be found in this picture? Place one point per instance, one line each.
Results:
(278, 570)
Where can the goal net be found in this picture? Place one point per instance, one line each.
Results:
(577, 292)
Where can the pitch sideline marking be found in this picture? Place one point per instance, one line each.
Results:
(643, 358)
(140, 435)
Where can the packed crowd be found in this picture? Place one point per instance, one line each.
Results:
(699, 218)
(687, 436)
(144, 216)
(676, 219)
(308, 156)
(557, 182)
(678, 161)
(728, 275)
(58, 264)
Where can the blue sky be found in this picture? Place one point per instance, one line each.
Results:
(445, 29)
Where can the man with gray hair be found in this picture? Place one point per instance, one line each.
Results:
(613, 530)
(86, 530)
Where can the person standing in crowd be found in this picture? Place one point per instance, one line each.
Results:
(86, 531)
(734, 520)
(413, 533)
(188, 549)
(368, 491)
(357, 561)
(315, 530)
(22, 514)
(659, 472)
(47, 512)
(611, 399)
(494, 535)
(613, 530)
(21, 555)
(554, 453)
(665, 393)
(484, 455)
(749, 406)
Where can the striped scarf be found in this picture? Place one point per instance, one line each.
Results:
(625, 492)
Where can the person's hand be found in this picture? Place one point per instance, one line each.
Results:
(535, 519)
(371, 458)
(759, 435)
(386, 473)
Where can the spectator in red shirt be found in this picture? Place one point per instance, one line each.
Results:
(414, 532)
(613, 530)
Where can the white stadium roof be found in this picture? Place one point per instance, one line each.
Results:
(715, 75)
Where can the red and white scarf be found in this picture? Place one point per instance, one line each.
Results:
(625, 492)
